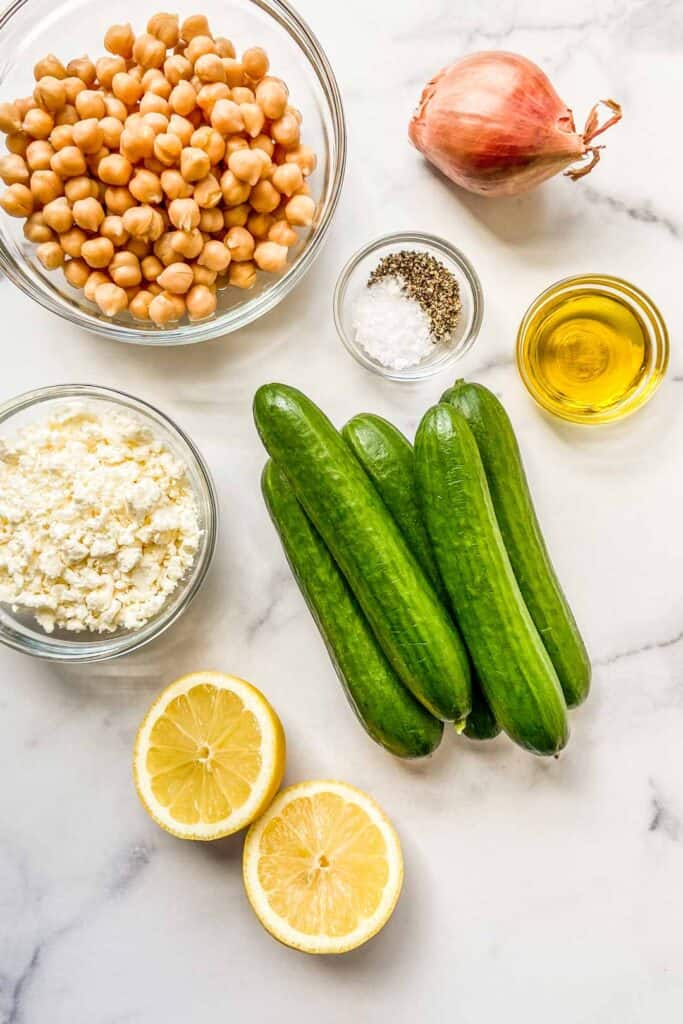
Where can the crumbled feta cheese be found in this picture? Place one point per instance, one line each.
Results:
(98, 521)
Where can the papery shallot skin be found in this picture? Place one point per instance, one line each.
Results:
(494, 125)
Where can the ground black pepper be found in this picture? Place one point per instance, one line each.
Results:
(426, 280)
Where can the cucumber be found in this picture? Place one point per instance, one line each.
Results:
(388, 459)
(385, 708)
(521, 532)
(516, 673)
(400, 604)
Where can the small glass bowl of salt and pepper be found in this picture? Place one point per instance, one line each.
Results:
(408, 305)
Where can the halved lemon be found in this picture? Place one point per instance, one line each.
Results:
(323, 867)
(209, 756)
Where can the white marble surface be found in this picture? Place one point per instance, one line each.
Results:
(535, 890)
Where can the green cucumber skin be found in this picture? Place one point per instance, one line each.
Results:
(386, 709)
(516, 672)
(405, 614)
(389, 460)
(523, 538)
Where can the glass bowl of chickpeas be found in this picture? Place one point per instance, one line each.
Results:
(166, 179)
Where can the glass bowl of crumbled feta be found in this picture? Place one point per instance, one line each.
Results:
(408, 305)
(108, 520)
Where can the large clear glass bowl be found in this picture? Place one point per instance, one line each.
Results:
(30, 29)
(18, 628)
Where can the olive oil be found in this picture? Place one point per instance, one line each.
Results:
(592, 349)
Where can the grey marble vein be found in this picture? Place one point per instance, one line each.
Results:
(642, 213)
(632, 652)
(128, 866)
(662, 818)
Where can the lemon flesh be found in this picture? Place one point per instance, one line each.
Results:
(209, 756)
(323, 867)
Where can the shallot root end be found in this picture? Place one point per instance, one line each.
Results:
(580, 172)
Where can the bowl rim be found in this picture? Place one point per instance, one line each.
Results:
(657, 330)
(441, 246)
(245, 313)
(105, 649)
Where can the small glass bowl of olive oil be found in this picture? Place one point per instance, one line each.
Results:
(592, 349)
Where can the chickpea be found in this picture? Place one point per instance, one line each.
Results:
(194, 163)
(13, 169)
(148, 51)
(300, 211)
(208, 96)
(253, 118)
(67, 115)
(49, 65)
(242, 275)
(210, 141)
(143, 222)
(90, 103)
(181, 127)
(195, 25)
(267, 165)
(88, 214)
(110, 298)
(174, 185)
(118, 199)
(259, 224)
(126, 88)
(24, 105)
(240, 244)
(264, 197)
(184, 214)
(139, 247)
(270, 256)
(50, 94)
(68, 162)
(139, 305)
(137, 141)
(94, 160)
(113, 229)
(283, 233)
(234, 72)
(116, 108)
(287, 178)
(176, 278)
(202, 275)
(38, 123)
(18, 143)
(242, 94)
(235, 192)
(304, 158)
(38, 155)
(183, 98)
(152, 103)
(97, 252)
(246, 165)
(107, 67)
(80, 187)
(111, 129)
(224, 47)
(46, 186)
(165, 27)
(198, 47)
(83, 68)
(157, 122)
(119, 40)
(272, 95)
(211, 220)
(158, 85)
(145, 186)
(163, 249)
(36, 230)
(151, 267)
(209, 68)
(17, 201)
(124, 270)
(95, 279)
(207, 192)
(201, 302)
(77, 273)
(61, 136)
(187, 243)
(165, 308)
(214, 256)
(236, 216)
(226, 117)
(50, 254)
(255, 62)
(167, 148)
(88, 135)
(10, 118)
(72, 87)
(286, 130)
(176, 69)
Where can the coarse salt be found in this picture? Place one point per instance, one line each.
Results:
(390, 327)
(98, 521)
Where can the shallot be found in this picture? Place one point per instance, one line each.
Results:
(493, 123)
